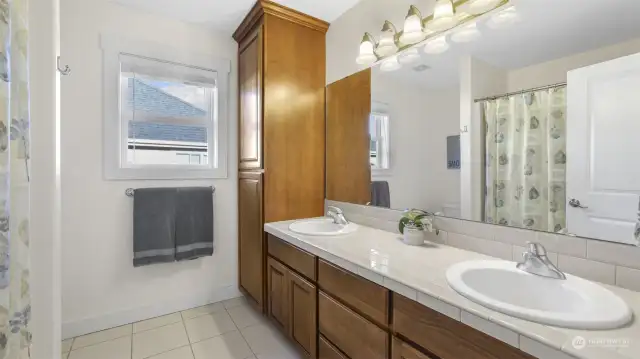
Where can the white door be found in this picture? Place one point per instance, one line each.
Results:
(603, 149)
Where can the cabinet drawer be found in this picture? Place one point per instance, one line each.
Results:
(402, 350)
(446, 337)
(326, 350)
(301, 261)
(352, 334)
(368, 298)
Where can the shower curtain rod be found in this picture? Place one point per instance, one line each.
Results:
(521, 92)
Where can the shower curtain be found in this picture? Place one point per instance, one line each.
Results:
(15, 305)
(526, 160)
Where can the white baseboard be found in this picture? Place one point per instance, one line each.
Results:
(110, 320)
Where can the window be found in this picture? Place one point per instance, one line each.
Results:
(165, 113)
(379, 146)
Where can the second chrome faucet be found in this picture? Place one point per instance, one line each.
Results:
(536, 261)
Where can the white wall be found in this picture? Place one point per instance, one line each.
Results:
(100, 287)
(555, 71)
(45, 179)
(419, 123)
(477, 80)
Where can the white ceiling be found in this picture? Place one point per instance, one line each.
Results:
(226, 15)
(548, 30)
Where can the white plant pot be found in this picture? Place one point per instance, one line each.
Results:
(413, 237)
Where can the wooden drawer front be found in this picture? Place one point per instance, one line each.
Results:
(446, 337)
(326, 350)
(303, 262)
(402, 350)
(368, 298)
(352, 334)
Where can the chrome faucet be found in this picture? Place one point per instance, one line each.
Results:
(535, 261)
(337, 215)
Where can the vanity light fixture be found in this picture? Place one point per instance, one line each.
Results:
(477, 7)
(436, 46)
(466, 33)
(367, 54)
(390, 64)
(409, 56)
(413, 31)
(387, 45)
(504, 18)
(444, 17)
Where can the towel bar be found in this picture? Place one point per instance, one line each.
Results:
(130, 191)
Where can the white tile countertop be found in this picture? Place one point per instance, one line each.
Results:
(419, 273)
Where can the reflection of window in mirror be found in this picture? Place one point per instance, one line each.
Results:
(379, 147)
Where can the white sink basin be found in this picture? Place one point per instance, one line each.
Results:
(572, 303)
(321, 227)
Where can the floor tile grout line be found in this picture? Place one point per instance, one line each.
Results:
(93, 345)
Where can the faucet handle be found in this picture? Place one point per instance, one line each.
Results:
(537, 249)
(334, 209)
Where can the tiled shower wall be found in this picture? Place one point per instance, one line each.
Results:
(605, 262)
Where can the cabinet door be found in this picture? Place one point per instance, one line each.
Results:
(250, 86)
(327, 351)
(277, 293)
(250, 234)
(303, 318)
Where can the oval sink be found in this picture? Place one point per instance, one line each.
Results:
(321, 227)
(572, 303)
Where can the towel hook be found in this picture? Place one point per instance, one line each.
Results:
(64, 71)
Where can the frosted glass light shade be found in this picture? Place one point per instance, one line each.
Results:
(412, 31)
(387, 45)
(409, 56)
(366, 55)
(436, 46)
(504, 18)
(443, 16)
(478, 7)
(466, 33)
(390, 64)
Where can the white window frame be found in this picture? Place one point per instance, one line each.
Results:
(115, 141)
(383, 147)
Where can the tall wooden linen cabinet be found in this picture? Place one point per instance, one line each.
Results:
(281, 64)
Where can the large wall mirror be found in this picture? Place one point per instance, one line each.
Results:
(524, 114)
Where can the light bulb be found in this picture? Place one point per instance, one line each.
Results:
(436, 46)
(409, 56)
(466, 33)
(366, 55)
(504, 18)
(390, 64)
(479, 7)
(412, 31)
(443, 16)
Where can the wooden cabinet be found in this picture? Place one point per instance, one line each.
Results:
(367, 298)
(250, 109)
(291, 304)
(402, 350)
(354, 335)
(445, 337)
(326, 350)
(250, 235)
(281, 129)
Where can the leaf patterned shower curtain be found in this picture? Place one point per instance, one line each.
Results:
(526, 160)
(15, 307)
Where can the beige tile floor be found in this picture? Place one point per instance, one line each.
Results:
(224, 330)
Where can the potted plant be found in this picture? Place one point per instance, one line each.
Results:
(413, 224)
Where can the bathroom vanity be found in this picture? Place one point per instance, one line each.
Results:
(367, 295)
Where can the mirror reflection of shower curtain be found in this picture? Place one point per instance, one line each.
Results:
(526, 160)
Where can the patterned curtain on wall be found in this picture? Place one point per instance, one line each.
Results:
(526, 160)
(15, 305)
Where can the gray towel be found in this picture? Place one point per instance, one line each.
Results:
(154, 226)
(194, 223)
(380, 196)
